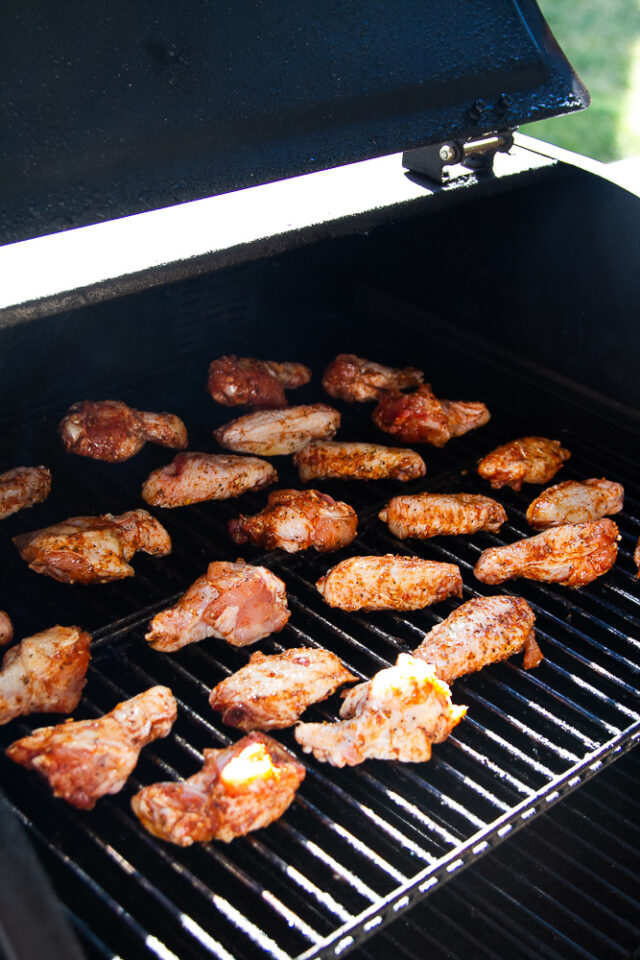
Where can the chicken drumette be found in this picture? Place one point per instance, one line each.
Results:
(324, 459)
(389, 583)
(110, 430)
(195, 477)
(296, 520)
(419, 417)
(6, 629)
(353, 378)
(435, 514)
(526, 460)
(23, 487)
(244, 381)
(575, 502)
(271, 433)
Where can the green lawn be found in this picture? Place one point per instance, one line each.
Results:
(602, 41)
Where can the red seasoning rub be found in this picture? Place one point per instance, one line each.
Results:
(296, 520)
(240, 788)
(196, 477)
(419, 417)
(571, 555)
(271, 433)
(327, 459)
(389, 583)
(112, 431)
(575, 502)
(353, 378)
(425, 515)
(23, 487)
(526, 460)
(244, 381)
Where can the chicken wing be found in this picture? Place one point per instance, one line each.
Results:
(195, 477)
(85, 759)
(397, 715)
(526, 460)
(93, 549)
(296, 520)
(240, 788)
(325, 459)
(110, 430)
(436, 514)
(389, 583)
(237, 381)
(636, 556)
(571, 555)
(481, 631)
(271, 433)
(235, 602)
(575, 502)
(44, 673)
(6, 629)
(353, 378)
(419, 417)
(23, 487)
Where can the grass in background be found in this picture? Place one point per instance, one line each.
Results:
(602, 42)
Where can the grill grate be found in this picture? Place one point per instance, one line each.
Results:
(360, 845)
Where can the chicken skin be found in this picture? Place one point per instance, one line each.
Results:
(481, 631)
(44, 673)
(575, 502)
(85, 759)
(196, 477)
(389, 583)
(571, 555)
(397, 715)
(326, 459)
(526, 460)
(93, 549)
(441, 514)
(271, 433)
(419, 417)
(354, 379)
(235, 602)
(112, 431)
(272, 692)
(23, 487)
(296, 520)
(243, 381)
(6, 629)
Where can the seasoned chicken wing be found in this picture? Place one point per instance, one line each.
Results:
(481, 631)
(575, 502)
(236, 381)
(419, 417)
(436, 514)
(110, 430)
(240, 788)
(324, 459)
(44, 673)
(195, 477)
(93, 549)
(353, 378)
(235, 602)
(23, 487)
(6, 629)
(636, 556)
(526, 460)
(85, 759)
(397, 715)
(571, 555)
(271, 433)
(389, 583)
(296, 520)
(272, 692)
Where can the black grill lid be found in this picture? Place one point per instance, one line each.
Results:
(117, 108)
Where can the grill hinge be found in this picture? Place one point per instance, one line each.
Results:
(431, 161)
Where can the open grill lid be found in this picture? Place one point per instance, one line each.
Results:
(148, 104)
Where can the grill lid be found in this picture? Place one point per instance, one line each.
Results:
(148, 104)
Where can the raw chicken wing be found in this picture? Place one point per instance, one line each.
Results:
(527, 460)
(272, 692)
(85, 759)
(23, 487)
(271, 433)
(6, 629)
(296, 520)
(240, 788)
(397, 715)
(93, 549)
(112, 431)
(436, 514)
(235, 602)
(353, 378)
(419, 417)
(481, 631)
(195, 477)
(45, 673)
(324, 459)
(575, 502)
(571, 555)
(236, 381)
(389, 583)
